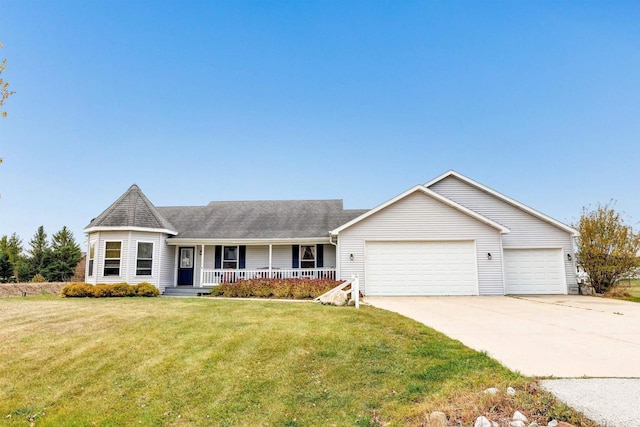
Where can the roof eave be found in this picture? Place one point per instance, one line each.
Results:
(91, 229)
(229, 241)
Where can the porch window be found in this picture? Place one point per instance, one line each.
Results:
(307, 256)
(230, 257)
(112, 258)
(91, 255)
(144, 260)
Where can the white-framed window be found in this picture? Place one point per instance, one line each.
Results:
(230, 257)
(92, 248)
(112, 255)
(307, 256)
(144, 259)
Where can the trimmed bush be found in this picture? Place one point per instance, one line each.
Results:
(146, 289)
(77, 290)
(275, 288)
(122, 290)
(101, 291)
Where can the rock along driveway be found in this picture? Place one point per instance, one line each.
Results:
(561, 336)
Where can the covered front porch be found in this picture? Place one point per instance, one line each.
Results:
(206, 264)
(213, 277)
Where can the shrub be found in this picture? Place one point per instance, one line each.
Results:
(77, 290)
(38, 278)
(275, 288)
(146, 289)
(101, 291)
(122, 290)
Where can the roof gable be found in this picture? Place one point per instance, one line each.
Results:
(503, 198)
(132, 210)
(430, 193)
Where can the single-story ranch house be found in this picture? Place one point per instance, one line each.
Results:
(450, 236)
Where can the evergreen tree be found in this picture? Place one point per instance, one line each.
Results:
(12, 247)
(40, 252)
(65, 255)
(6, 269)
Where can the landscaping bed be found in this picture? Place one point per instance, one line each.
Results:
(275, 288)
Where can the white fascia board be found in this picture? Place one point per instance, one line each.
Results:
(432, 194)
(146, 230)
(506, 199)
(255, 242)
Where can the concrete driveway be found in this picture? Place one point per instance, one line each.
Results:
(561, 336)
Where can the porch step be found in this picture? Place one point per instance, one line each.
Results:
(186, 291)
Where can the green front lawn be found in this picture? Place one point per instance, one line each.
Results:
(199, 361)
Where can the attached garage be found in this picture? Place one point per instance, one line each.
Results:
(534, 271)
(421, 268)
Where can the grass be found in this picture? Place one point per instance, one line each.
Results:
(199, 361)
(630, 287)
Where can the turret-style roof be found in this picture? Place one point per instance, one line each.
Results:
(132, 210)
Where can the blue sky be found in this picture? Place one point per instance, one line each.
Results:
(235, 100)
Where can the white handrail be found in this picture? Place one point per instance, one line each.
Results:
(212, 277)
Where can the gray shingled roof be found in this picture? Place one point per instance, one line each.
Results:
(132, 209)
(273, 219)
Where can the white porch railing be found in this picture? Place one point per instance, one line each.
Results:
(215, 277)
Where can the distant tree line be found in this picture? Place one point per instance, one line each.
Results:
(54, 261)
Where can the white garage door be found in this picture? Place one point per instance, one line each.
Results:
(534, 271)
(421, 268)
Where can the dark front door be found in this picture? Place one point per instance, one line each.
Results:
(185, 267)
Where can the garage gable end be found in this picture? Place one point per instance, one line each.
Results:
(429, 193)
(489, 202)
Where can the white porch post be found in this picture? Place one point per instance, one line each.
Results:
(355, 288)
(201, 264)
(175, 266)
(270, 258)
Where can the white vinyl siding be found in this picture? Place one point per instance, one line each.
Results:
(161, 276)
(526, 230)
(421, 217)
(257, 257)
(421, 268)
(281, 256)
(329, 256)
(534, 271)
(167, 266)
